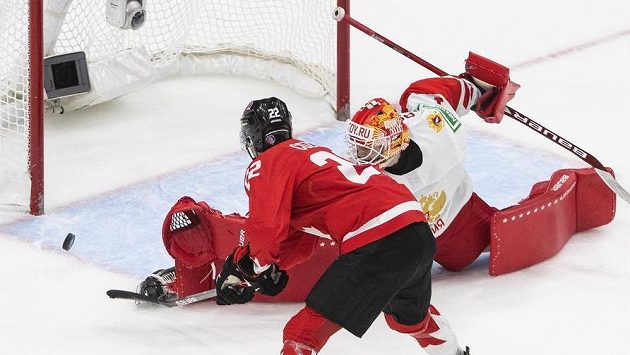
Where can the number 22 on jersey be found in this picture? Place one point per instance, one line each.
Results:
(346, 168)
(252, 171)
(322, 158)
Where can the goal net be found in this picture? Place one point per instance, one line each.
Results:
(293, 42)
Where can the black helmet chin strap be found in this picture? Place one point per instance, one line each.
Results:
(251, 151)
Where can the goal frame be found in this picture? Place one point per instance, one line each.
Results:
(36, 94)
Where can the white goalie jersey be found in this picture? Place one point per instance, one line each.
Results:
(440, 183)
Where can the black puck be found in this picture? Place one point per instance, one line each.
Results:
(67, 243)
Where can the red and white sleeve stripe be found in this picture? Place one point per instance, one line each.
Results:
(460, 94)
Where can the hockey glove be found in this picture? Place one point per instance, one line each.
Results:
(232, 288)
(493, 79)
(271, 281)
(157, 284)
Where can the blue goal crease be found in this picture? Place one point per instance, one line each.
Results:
(122, 230)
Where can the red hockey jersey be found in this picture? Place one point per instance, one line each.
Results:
(299, 191)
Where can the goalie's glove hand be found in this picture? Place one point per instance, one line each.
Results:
(232, 288)
(269, 280)
(489, 96)
(481, 85)
(157, 284)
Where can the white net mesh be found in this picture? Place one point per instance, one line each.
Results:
(14, 79)
(299, 32)
(178, 36)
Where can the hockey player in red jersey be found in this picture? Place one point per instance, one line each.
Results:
(299, 192)
(424, 148)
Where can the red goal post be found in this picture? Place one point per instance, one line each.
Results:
(297, 37)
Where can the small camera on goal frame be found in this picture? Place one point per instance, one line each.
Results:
(126, 14)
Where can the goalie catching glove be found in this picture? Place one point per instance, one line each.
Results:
(241, 277)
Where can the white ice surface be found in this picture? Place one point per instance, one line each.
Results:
(575, 303)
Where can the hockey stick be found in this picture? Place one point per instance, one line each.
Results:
(128, 295)
(609, 180)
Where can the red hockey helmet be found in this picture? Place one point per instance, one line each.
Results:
(376, 133)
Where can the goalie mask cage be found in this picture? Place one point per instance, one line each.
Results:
(294, 42)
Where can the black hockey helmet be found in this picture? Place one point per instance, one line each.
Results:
(265, 123)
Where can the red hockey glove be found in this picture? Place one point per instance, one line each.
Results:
(493, 79)
(231, 285)
(187, 232)
(269, 282)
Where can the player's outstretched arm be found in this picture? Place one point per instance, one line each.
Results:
(456, 93)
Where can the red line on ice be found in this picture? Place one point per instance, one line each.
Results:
(571, 50)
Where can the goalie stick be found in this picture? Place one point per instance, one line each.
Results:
(340, 15)
(128, 295)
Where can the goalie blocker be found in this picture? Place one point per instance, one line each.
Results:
(494, 80)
